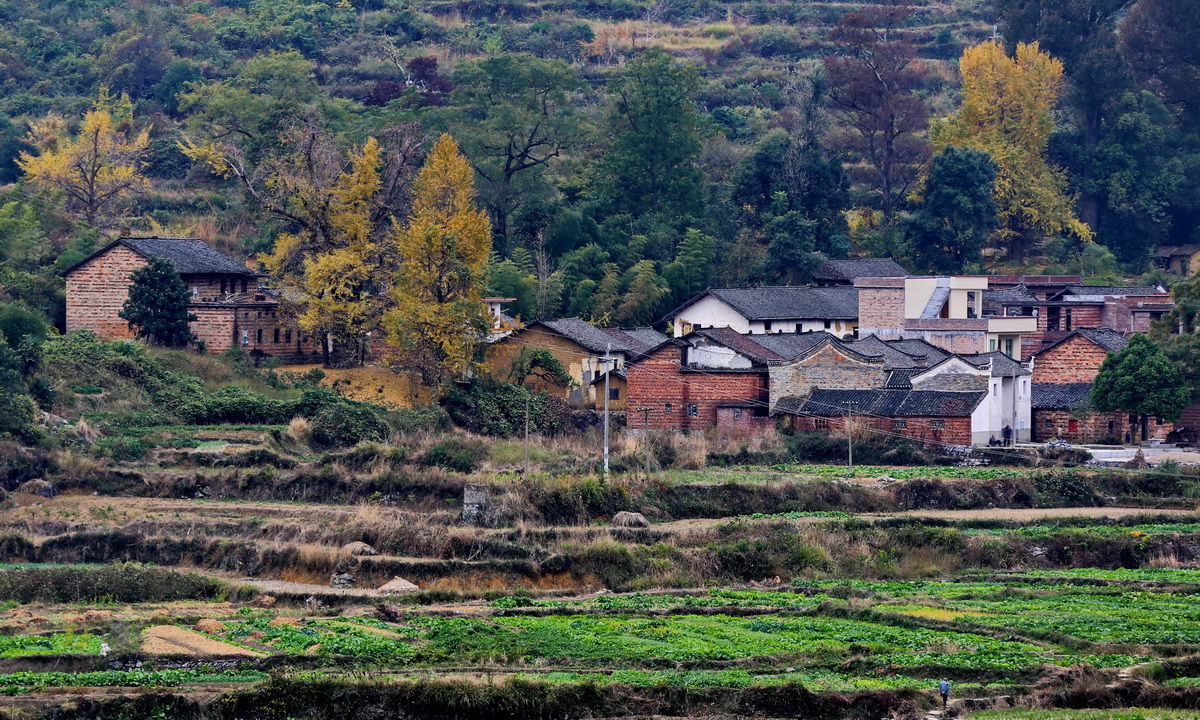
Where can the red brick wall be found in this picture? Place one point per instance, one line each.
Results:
(955, 431)
(1091, 428)
(1074, 361)
(743, 420)
(666, 389)
(97, 291)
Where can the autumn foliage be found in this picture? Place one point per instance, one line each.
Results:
(439, 320)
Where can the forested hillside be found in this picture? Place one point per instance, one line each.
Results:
(627, 153)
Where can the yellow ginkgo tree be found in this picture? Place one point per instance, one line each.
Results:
(1008, 112)
(332, 271)
(438, 320)
(96, 165)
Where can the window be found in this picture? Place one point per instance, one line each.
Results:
(1073, 426)
(992, 345)
(258, 337)
(243, 286)
(667, 408)
(1158, 421)
(937, 424)
(1111, 427)
(1050, 423)
(693, 410)
(614, 393)
(287, 336)
(276, 340)
(1008, 347)
(245, 337)
(821, 423)
(972, 298)
(900, 424)
(1068, 324)
(828, 324)
(769, 326)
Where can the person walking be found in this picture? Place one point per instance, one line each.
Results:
(944, 689)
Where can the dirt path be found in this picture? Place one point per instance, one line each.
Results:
(174, 640)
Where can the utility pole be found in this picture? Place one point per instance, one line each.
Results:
(607, 350)
(849, 434)
(646, 436)
(526, 474)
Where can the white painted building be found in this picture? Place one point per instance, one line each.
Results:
(763, 310)
(1009, 392)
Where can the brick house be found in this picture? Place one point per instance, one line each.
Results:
(1121, 309)
(580, 347)
(948, 312)
(231, 306)
(933, 416)
(1063, 373)
(762, 310)
(670, 390)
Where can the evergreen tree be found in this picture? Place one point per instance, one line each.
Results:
(951, 226)
(439, 319)
(646, 290)
(650, 167)
(1142, 381)
(157, 306)
(690, 272)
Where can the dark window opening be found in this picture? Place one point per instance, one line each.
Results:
(821, 423)
(1111, 426)
(614, 393)
(693, 410)
(243, 285)
(900, 424)
(276, 340)
(1050, 423)
(937, 424)
(667, 408)
(258, 337)
(287, 336)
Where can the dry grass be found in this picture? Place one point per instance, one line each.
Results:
(174, 640)
(373, 384)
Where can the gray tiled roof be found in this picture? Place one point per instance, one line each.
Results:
(792, 303)
(1109, 339)
(994, 301)
(891, 403)
(893, 357)
(638, 340)
(1111, 291)
(845, 271)
(745, 345)
(901, 379)
(917, 347)
(1002, 365)
(191, 256)
(586, 335)
(792, 345)
(1060, 396)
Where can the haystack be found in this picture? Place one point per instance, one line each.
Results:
(397, 586)
(630, 520)
(358, 548)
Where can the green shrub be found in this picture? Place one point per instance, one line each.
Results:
(455, 455)
(420, 419)
(121, 448)
(494, 408)
(345, 424)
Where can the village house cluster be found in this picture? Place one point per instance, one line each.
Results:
(962, 360)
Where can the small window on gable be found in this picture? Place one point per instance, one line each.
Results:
(693, 410)
(1049, 423)
(667, 408)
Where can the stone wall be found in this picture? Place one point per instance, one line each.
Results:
(827, 368)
